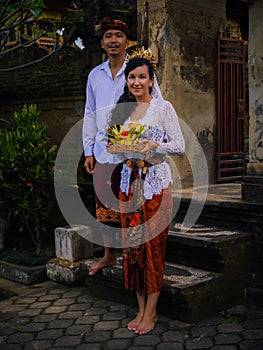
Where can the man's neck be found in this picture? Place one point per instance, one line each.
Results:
(115, 64)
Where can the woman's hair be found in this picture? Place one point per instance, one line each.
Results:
(124, 107)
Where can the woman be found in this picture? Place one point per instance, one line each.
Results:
(146, 206)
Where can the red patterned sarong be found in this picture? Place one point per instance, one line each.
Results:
(144, 262)
(107, 175)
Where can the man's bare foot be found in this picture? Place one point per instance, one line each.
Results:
(100, 264)
(147, 324)
(132, 326)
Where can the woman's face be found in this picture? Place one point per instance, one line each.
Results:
(138, 82)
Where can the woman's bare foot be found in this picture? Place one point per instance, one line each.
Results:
(132, 326)
(147, 324)
(96, 266)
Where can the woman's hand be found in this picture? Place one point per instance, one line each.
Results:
(149, 145)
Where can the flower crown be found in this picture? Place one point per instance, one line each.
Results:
(143, 53)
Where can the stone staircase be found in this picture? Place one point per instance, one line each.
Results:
(200, 268)
(207, 268)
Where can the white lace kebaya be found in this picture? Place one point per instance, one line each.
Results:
(164, 128)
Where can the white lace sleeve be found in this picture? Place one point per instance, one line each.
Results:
(175, 141)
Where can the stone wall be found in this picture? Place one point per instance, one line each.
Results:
(184, 36)
(56, 85)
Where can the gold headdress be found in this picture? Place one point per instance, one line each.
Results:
(143, 53)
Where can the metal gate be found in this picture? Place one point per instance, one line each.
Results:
(230, 110)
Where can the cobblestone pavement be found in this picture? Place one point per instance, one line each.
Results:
(53, 316)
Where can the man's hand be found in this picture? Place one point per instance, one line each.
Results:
(89, 164)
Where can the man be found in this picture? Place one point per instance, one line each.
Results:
(104, 87)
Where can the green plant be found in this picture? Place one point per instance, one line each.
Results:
(26, 172)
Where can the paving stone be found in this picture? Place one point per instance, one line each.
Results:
(145, 347)
(40, 305)
(247, 344)
(70, 314)
(106, 325)
(11, 347)
(102, 303)
(225, 347)
(34, 327)
(159, 328)
(50, 334)
(198, 343)
(86, 298)
(95, 311)
(26, 300)
(20, 338)
(253, 334)
(5, 329)
(97, 336)
(89, 347)
(60, 290)
(203, 331)
(39, 345)
(176, 324)
(255, 324)
(78, 329)
(79, 307)
(211, 321)
(229, 338)
(170, 346)
(64, 301)
(48, 297)
(19, 321)
(68, 340)
(13, 308)
(30, 312)
(45, 318)
(123, 333)
(147, 340)
(88, 319)
(179, 336)
(60, 324)
(118, 344)
(55, 309)
(119, 307)
(2, 338)
(72, 294)
(119, 315)
(230, 328)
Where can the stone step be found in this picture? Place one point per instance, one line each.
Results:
(210, 248)
(188, 293)
(234, 214)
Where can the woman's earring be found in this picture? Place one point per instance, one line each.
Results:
(150, 85)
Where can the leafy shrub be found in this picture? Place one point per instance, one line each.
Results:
(26, 172)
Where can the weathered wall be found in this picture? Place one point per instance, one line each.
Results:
(255, 73)
(56, 85)
(185, 33)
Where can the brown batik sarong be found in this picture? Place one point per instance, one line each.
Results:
(107, 175)
(144, 263)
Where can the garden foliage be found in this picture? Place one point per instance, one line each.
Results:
(26, 172)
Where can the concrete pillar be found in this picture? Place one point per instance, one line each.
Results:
(252, 188)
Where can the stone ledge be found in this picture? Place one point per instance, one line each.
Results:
(23, 274)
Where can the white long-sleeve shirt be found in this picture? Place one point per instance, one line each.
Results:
(102, 93)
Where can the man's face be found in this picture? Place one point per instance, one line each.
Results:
(114, 42)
